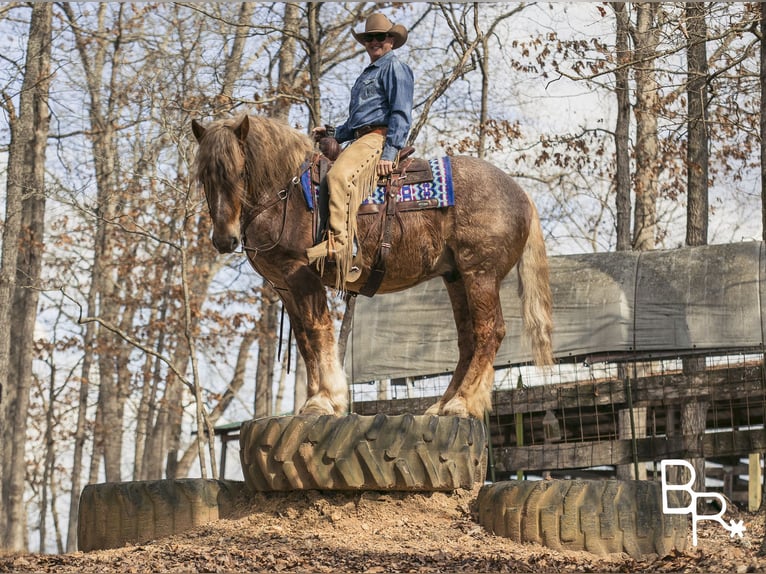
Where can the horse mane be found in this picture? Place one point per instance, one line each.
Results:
(274, 152)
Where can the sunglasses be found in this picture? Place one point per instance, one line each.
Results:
(378, 37)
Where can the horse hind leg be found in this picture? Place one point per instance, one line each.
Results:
(465, 340)
(472, 394)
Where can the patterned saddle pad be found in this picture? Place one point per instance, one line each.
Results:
(422, 195)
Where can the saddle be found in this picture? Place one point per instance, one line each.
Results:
(408, 171)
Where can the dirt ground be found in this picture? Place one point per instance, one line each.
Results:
(380, 533)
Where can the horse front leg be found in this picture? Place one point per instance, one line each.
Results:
(306, 304)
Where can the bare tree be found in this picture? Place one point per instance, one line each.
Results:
(622, 127)
(267, 344)
(103, 112)
(694, 414)
(762, 76)
(698, 141)
(646, 36)
(26, 201)
(762, 132)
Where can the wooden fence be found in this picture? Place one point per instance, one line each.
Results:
(629, 420)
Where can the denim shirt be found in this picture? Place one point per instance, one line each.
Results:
(382, 95)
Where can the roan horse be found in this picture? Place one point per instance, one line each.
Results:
(249, 167)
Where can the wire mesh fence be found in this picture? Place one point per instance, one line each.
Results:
(603, 415)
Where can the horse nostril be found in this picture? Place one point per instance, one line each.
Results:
(227, 244)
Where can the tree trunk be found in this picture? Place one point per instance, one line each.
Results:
(150, 452)
(314, 49)
(50, 460)
(763, 123)
(693, 420)
(622, 129)
(483, 58)
(81, 431)
(26, 181)
(236, 384)
(233, 67)
(287, 51)
(762, 76)
(301, 383)
(105, 278)
(267, 341)
(647, 145)
(279, 400)
(697, 145)
(693, 414)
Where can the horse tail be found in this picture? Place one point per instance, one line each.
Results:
(535, 293)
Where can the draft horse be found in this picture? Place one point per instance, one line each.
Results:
(249, 167)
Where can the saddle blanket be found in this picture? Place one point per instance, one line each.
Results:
(435, 193)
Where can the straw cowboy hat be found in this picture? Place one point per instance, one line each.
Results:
(379, 23)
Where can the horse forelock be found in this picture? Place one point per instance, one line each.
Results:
(220, 161)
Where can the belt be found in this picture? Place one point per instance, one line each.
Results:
(364, 130)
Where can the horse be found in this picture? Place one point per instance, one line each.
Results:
(249, 167)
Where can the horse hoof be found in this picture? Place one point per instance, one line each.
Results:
(434, 410)
(455, 407)
(315, 410)
(318, 406)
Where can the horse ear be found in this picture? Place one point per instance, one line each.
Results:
(198, 130)
(243, 128)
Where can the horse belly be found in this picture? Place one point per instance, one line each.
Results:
(419, 249)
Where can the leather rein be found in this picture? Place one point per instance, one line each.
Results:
(251, 215)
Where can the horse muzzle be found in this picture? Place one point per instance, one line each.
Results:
(225, 243)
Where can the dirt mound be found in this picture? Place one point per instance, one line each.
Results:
(378, 532)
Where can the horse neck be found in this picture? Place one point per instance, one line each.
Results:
(272, 167)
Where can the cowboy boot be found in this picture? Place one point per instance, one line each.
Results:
(355, 272)
(337, 235)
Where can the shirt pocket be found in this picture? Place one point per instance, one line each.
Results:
(369, 89)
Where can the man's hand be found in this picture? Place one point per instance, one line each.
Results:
(385, 167)
(318, 133)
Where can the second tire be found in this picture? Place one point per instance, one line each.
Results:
(599, 516)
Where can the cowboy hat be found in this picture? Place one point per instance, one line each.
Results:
(377, 23)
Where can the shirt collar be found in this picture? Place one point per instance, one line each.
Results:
(381, 60)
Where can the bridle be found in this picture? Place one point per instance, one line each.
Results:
(282, 196)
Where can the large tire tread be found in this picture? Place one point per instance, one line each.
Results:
(381, 452)
(597, 516)
(118, 513)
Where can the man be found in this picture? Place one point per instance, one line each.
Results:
(379, 119)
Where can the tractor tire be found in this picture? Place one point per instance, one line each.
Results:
(597, 516)
(381, 452)
(114, 514)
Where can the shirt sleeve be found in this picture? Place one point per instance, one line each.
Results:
(399, 84)
(343, 133)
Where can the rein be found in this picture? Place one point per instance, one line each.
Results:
(282, 196)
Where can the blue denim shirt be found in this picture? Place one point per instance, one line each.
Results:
(382, 95)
